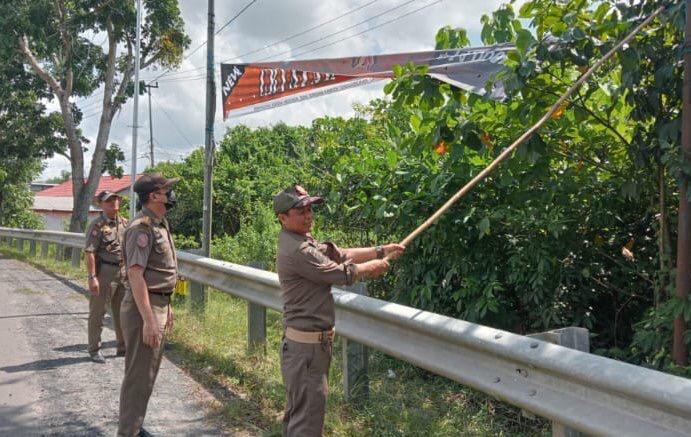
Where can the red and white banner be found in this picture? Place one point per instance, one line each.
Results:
(249, 88)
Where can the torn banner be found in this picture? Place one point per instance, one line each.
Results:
(249, 88)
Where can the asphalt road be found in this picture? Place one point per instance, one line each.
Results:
(48, 385)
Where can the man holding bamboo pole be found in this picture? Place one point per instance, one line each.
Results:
(306, 270)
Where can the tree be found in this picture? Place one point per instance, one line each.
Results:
(52, 39)
(64, 176)
(27, 136)
(596, 181)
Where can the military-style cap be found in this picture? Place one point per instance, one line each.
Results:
(293, 197)
(148, 183)
(105, 196)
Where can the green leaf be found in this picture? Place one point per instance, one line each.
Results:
(483, 226)
(524, 40)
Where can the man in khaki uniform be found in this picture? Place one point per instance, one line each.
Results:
(306, 270)
(103, 254)
(146, 315)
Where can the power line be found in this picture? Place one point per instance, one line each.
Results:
(184, 78)
(236, 16)
(400, 17)
(288, 38)
(370, 29)
(205, 41)
(175, 125)
(295, 35)
(337, 32)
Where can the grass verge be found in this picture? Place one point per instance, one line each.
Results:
(211, 345)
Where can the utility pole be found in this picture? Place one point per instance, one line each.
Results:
(151, 125)
(679, 350)
(135, 116)
(209, 140)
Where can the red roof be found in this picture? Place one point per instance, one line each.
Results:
(106, 183)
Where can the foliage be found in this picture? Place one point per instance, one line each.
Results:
(413, 402)
(554, 219)
(55, 40)
(577, 228)
(64, 176)
(254, 244)
(28, 134)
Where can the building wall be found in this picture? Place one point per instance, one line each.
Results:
(55, 221)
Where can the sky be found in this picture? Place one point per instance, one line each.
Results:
(365, 27)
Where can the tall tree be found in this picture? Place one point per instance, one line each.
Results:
(27, 136)
(55, 40)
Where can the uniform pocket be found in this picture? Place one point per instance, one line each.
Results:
(160, 245)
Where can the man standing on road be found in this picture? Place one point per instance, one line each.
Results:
(103, 254)
(306, 270)
(146, 314)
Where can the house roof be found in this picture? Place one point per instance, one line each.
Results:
(106, 183)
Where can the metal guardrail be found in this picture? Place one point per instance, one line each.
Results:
(587, 392)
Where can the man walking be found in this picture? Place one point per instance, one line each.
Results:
(146, 314)
(103, 254)
(306, 270)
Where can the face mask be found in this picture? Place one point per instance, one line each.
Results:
(170, 199)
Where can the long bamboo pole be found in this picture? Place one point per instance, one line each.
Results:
(505, 154)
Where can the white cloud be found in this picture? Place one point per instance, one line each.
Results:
(178, 106)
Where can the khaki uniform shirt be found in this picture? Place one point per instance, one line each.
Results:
(306, 270)
(149, 244)
(104, 237)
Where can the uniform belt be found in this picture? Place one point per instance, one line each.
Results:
(309, 336)
(161, 293)
(111, 263)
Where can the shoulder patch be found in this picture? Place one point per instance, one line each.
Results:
(145, 221)
(94, 233)
(143, 239)
(312, 251)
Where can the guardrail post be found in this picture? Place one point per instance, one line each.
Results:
(573, 338)
(76, 257)
(20, 245)
(256, 322)
(355, 361)
(32, 248)
(44, 249)
(197, 296)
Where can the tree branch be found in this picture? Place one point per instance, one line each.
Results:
(126, 76)
(43, 74)
(110, 69)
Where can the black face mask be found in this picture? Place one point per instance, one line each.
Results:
(170, 199)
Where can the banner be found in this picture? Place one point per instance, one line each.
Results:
(249, 88)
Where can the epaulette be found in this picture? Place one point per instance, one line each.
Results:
(99, 223)
(144, 220)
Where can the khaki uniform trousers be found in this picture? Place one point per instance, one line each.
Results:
(111, 290)
(141, 362)
(305, 370)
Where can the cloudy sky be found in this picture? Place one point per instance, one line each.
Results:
(365, 27)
